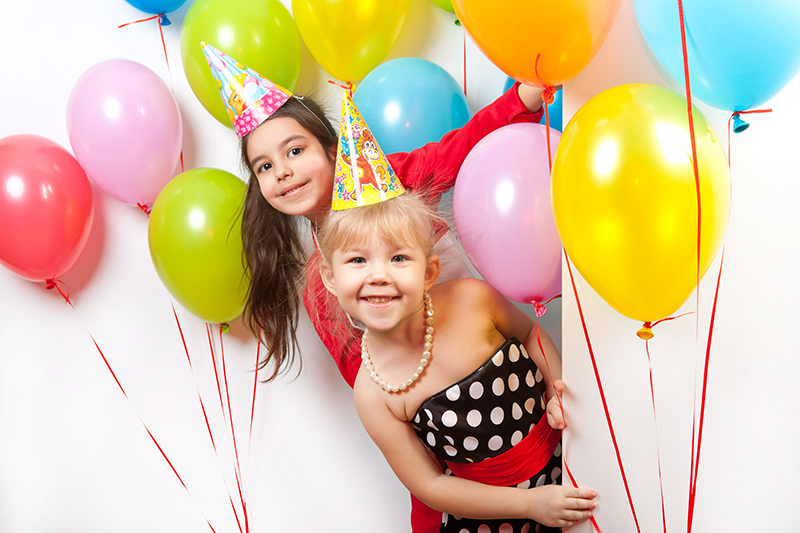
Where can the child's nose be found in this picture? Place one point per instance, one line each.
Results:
(378, 273)
(283, 171)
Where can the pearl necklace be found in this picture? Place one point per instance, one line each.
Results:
(423, 363)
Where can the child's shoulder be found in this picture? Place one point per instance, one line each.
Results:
(465, 291)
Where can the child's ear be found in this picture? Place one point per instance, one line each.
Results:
(432, 271)
(326, 272)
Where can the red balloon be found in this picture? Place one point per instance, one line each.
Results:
(46, 207)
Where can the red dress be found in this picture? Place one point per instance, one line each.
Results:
(433, 169)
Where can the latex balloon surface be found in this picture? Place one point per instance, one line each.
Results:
(625, 199)
(261, 35)
(125, 129)
(504, 216)
(741, 53)
(157, 7)
(447, 5)
(350, 37)
(512, 33)
(195, 242)
(409, 102)
(46, 208)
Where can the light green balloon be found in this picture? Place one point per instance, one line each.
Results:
(259, 34)
(447, 5)
(195, 242)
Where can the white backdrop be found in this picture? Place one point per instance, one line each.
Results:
(75, 457)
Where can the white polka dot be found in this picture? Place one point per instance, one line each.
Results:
(416, 418)
(524, 352)
(529, 379)
(538, 528)
(431, 439)
(525, 484)
(538, 375)
(464, 531)
(476, 390)
(470, 444)
(542, 402)
(450, 451)
(495, 443)
(430, 420)
(497, 415)
(525, 528)
(513, 382)
(498, 386)
(541, 480)
(530, 403)
(516, 438)
(506, 528)
(474, 418)
(449, 418)
(484, 529)
(554, 474)
(516, 411)
(453, 393)
(498, 358)
(513, 353)
(557, 453)
(449, 439)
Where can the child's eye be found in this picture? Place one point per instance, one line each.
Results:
(295, 151)
(399, 258)
(265, 167)
(357, 260)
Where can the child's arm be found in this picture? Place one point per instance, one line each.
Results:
(551, 505)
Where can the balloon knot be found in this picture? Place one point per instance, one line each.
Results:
(50, 284)
(458, 22)
(225, 327)
(163, 20)
(645, 333)
(540, 309)
(144, 208)
(739, 125)
(549, 95)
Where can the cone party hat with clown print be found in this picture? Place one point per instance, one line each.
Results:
(363, 175)
(249, 97)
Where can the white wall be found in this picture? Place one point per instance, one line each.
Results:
(74, 455)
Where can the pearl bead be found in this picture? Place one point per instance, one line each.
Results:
(428, 346)
(423, 363)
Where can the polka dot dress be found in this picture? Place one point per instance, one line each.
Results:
(484, 415)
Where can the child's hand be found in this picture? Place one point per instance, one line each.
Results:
(559, 506)
(555, 410)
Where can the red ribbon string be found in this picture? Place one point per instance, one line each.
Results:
(575, 484)
(349, 86)
(144, 208)
(733, 115)
(655, 425)
(253, 406)
(548, 96)
(602, 394)
(53, 284)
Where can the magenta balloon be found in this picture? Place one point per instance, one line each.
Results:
(125, 129)
(504, 215)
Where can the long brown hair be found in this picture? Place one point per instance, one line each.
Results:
(273, 250)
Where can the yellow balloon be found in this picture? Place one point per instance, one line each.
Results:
(350, 37)
(625, 199)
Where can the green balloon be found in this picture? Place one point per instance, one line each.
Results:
(261, 35)
(447, 5)
(195, 238)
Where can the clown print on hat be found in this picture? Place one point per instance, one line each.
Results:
(249, 97)
(363, 175)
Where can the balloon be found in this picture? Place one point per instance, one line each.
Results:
(447, 5)
(261, 35)
(511, 34)
(195, 242)
(740, 53)
(555, 110)
(156, 7)
(46, 207)
(350, 37)
(503, 213)
(625, 199)
(409, 102)
(125, 129)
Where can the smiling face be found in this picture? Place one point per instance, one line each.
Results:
(380, 283)
(294, 172)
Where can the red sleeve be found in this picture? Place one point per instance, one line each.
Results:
(435, 165)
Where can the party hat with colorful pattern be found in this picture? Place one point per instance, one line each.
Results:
(249, 97)
(363, 175)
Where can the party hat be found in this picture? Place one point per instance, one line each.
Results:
(249, 97)
(363, 175)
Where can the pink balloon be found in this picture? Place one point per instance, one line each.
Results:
(125, 129)
(504, 214)
(46, 207)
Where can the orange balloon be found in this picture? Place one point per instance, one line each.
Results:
(567, 34)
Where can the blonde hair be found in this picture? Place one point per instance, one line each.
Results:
(404, 220)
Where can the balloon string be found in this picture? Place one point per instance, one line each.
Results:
(541, 309)
(733, 116)
(348, 86)
(655, 425)
(253, 406)
(602, 394)
(575, 484)
(548, 97)
(144, 208)
(205, 416)
(696, 460)
(54, 284)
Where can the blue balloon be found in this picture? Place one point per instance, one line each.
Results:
(156, 7)
(741, 53)
(409, 102)
(555, 110)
